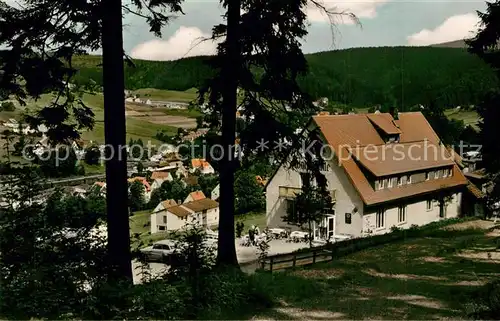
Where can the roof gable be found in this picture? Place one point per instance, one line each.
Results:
(197, 195)
(201, 205)
(384, 122)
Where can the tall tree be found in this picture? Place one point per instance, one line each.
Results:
(262, 55)
(42, 36)
(115, 137)
(486, 45)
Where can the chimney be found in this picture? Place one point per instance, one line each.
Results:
(394, 112)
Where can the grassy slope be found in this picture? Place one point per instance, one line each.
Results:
(136, 128)
(425, 278)
(168, 95)
(468, 117)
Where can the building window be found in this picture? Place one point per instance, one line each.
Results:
(437, 174)
(400, 181)
(408, 179)
(348, 218)
(291, 209)
(204, 212)
(381, 184)
(402, 214)
(161, 228)
(427, 176)
(380, 218)
(389, 183)
(429, 205)
(164, 219)
(445, 173)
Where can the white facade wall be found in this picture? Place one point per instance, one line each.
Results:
(215, 192)
(213, 217)
(174, 222)
(416, 214)
(347, 199)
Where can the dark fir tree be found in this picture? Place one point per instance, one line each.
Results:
(486, 45)
(92, 155)
(264, 36)
(248, 193)
(42, 38)
(136, 196)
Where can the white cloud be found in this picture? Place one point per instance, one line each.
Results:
(454, 28)
(360, 8)
(185, 42)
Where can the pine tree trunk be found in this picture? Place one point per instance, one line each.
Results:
(114, 132)
(226, 253)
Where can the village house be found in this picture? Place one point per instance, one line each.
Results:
(172, 169)
(381, 172)
(170, 216)
(100, 188)
(159, 178)
(202, 165)
(144, 182)
(474, 199)
(215, 194)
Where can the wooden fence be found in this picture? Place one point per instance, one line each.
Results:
(290, 260)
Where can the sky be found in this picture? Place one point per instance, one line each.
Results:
(383, 23)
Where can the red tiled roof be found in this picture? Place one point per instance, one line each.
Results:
(356, 131)
(392, 159)
(169, 203)
(142, 180)
(474, 190)
(159, 175)
(179, 211)
(385, 122)
(198, 195)
(201, 205)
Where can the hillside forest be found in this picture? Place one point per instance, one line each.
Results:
(360, 77)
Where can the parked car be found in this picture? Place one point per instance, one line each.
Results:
(159, 251)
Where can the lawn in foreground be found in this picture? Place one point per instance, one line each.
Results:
(425, 278)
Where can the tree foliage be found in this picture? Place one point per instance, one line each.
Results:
(486, 45)
(41, 38)
(92, 155)
(58, 162)
(137, 198)
(248, 193)
(49, 254)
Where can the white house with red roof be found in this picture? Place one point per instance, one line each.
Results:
(202, 165)
(171, 216)
(381, 172)
(144, 182)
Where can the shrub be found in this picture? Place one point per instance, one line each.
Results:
(486, 302)
(7, 106)
(92, 155)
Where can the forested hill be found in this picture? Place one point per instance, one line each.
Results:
(360, 77)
